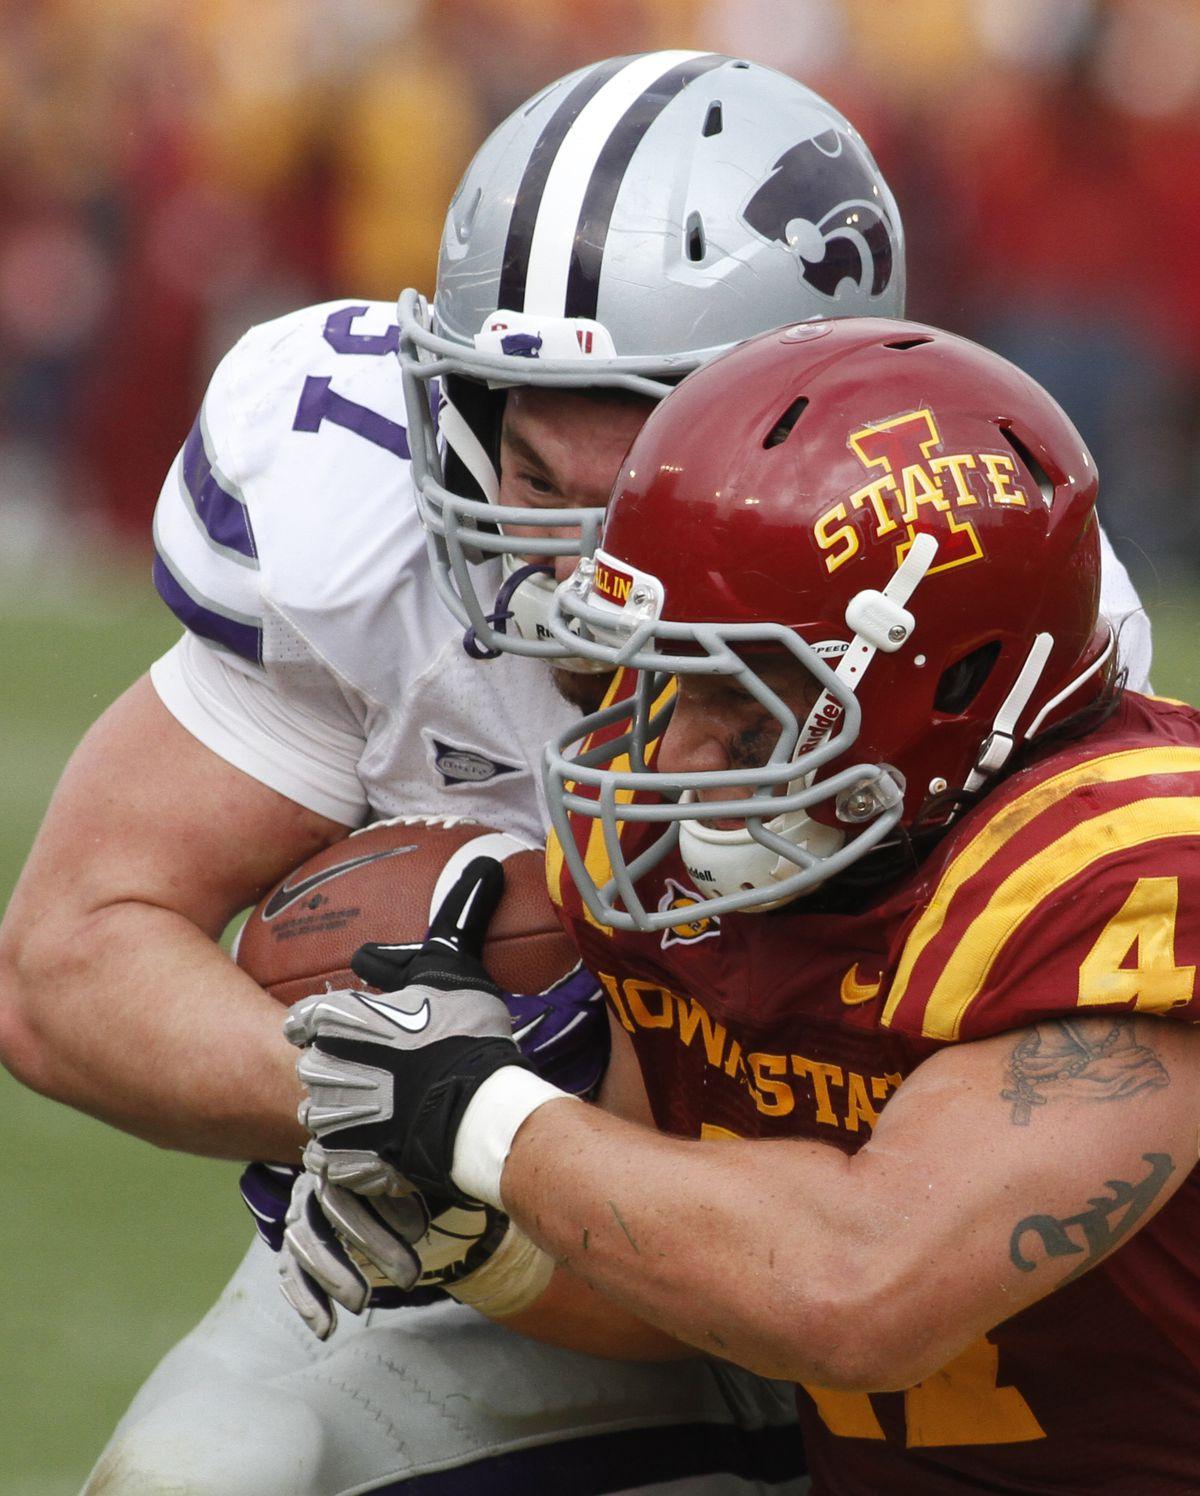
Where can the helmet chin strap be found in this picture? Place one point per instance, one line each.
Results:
(880, 621)
(469, 450)
(528, 595)
(998, 746)
(721, 861)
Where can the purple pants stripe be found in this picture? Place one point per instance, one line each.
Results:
(224, 518)
(598, 1464)
(242, 638)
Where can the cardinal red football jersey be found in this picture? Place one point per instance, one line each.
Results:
(1073, 888)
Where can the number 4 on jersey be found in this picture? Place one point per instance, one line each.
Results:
(1142, 929)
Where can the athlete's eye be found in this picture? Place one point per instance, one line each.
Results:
(536, 483)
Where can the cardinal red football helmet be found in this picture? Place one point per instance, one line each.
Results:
(913, 518)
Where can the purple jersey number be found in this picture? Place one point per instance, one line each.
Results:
(318, 402)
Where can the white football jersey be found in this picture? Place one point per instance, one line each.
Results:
(288, 541)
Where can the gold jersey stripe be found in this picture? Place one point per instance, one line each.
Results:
(966, 971)
(554, 851)
(554, 868)
(1112, 768)
(595, 858)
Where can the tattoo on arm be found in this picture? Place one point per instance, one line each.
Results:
(1102, 1225)
(1089, 1059)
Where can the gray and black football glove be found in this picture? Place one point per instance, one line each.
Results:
(389, 1078)
(562, 1032)
(343, 1248)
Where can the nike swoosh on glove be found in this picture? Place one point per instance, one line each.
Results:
(390, 1078)
(562, 1030)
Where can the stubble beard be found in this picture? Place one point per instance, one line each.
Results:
(583, 689)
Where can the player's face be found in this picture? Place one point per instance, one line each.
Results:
(717, 725)
(562, 450)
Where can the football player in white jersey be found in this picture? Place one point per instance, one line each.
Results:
(623, 226)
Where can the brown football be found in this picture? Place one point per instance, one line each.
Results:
(381, 884)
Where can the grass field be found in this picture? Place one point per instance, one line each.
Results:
(111, 1248)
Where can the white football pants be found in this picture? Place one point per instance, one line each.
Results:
(434, 1402)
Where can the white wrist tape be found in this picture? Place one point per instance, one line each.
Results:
(510, 1280)
(490, 1123)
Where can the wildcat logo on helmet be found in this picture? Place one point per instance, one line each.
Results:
(524, 335)
(916, 485)
(822, 201)
(521, 344)
(688, 931)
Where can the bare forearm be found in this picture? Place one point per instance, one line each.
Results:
(725, 1270)
(872, 1272)
(139, 1019)
(574, 1315)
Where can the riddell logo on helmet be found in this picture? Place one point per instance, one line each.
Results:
(916, 485)
(612, 585)
(826, 716)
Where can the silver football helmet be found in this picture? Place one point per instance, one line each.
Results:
(633, 220)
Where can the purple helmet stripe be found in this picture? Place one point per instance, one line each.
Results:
(241, 636)
(591, 233)
(528, 200)
(222, 515)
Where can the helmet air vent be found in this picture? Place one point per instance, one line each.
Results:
(695, 239)
(713, 123)
(901, 345)
(963, 681)
(1040, 476)
(782, 429)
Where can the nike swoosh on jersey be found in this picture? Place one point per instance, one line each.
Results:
(288, 893)
(412, 1023)
(853, 991)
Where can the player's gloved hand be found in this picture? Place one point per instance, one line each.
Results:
(391, 1079)
(562, 1031)
(343, 1248)
(266, 1190)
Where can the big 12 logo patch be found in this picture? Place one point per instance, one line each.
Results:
(692, 927)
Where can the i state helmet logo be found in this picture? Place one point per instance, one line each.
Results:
(822, 202)
(692, 927)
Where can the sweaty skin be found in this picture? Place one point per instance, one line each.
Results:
(560, 450)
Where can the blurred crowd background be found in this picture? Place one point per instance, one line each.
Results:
(172, 171)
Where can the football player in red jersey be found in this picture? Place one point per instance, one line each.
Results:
(895, 894)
